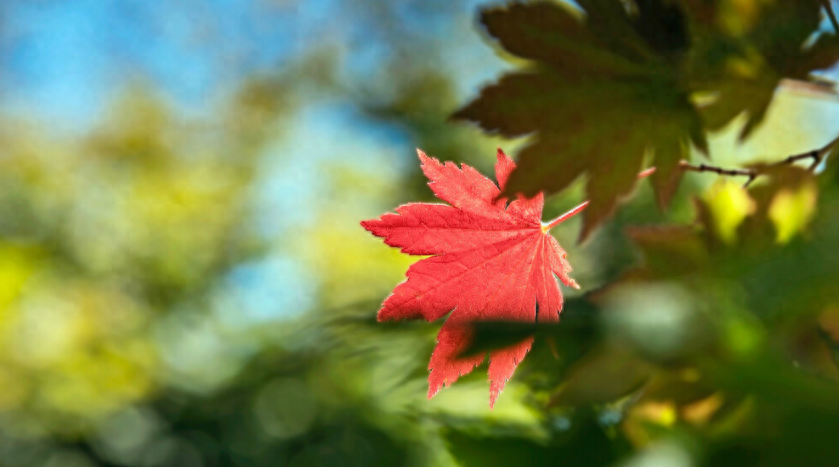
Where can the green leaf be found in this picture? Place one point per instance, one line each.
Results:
(604, 375)
(670, 251)
(578, 321)
(602, 95)
(619, 84)
(742, 59)
(586, 443)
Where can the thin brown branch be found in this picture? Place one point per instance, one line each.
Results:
(829, 8)
(817, 155)
(717, 170)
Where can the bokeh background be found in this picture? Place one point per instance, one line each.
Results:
(183, 279)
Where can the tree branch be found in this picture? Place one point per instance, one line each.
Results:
(829, 8)
(817, 155)
(684, 165)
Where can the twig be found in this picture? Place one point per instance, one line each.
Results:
(817, 155)
(573, 212)
(829, 8)
(684, 165)
(752, 174)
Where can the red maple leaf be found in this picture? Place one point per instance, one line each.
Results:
(490, 261)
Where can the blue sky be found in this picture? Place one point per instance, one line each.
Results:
(63, 59)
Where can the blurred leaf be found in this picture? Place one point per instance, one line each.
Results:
(604, 375)
(744, 50)
(728, 205)
(735, 227)
(585, 444)
(792, 413)
(681, 386)
(594, 77)
(578, 320)
(669, 251)
(788, 201)
(790, 211)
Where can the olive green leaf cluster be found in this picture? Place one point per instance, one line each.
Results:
(723, 336)
(617, 85)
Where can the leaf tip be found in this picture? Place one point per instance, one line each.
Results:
(504, 166)
(495, 388)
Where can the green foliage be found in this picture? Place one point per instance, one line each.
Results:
(586, 444)
(607, 87)
(718, 347)
(706, 333)
(727, 338)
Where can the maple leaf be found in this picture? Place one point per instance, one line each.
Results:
(490, 261)
(619, 81)
(602, 93)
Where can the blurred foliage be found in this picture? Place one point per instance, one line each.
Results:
(722, 336)
(194, 290)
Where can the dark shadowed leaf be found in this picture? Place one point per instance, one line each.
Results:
(577, 321)
(604, 375)
(603, 96)
(616, 85)
(585, 444)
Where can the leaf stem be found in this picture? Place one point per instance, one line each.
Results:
(576, 210)
(564, 217)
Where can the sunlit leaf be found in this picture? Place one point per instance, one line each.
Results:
(489, 261)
